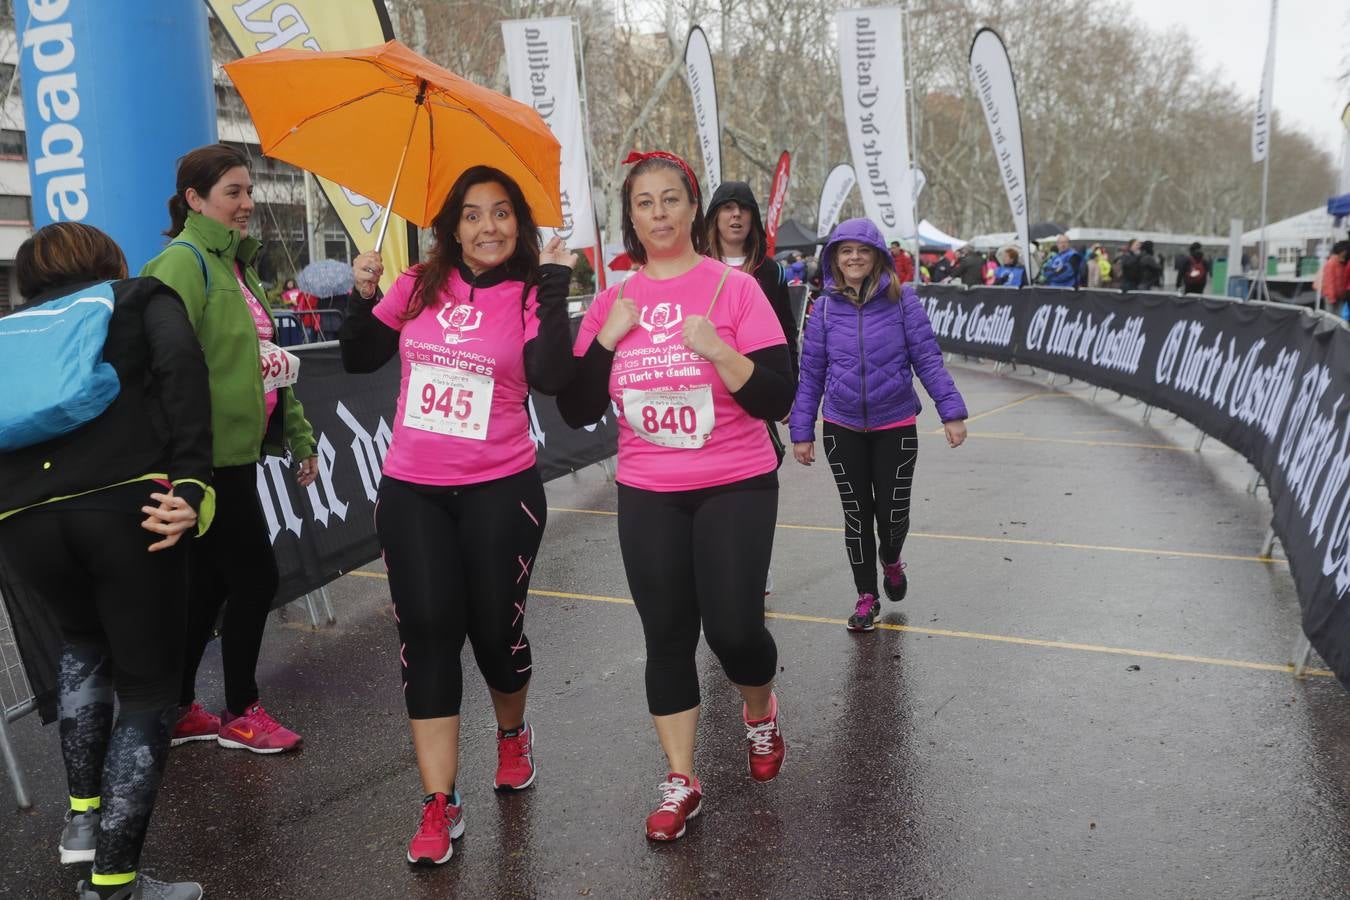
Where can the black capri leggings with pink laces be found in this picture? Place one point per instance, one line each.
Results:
(459, 561)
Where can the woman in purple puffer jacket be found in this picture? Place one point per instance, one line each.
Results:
(866, 339)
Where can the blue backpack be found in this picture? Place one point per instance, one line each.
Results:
(52, 368)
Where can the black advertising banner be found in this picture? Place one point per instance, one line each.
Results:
(328, 528)
(1270, 381)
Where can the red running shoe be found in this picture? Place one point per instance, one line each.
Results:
(255, 730)
(681, 800)
(515, 760)
(765, 744)
(195, 725)
(442, 822)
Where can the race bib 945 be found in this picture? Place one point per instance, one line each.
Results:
(448, 401)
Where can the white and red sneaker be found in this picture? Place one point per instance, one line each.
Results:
(442, 822)
(766, 747)
(681, 800)
(515, 760)
(257, 731)
(196, 724)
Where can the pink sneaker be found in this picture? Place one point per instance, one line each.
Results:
(515, 760)
(681, 800)
(195, 725)
(255, 730)
(442, 822)
(765, 744)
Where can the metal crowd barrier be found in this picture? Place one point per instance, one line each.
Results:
(16, 701)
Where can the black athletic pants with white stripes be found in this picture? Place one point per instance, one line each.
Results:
(459, 561)
(873, 471)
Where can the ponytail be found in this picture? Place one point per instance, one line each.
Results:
(200, 169)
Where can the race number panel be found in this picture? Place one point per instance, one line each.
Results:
(448, 401)
(280, 368)
(680, 419)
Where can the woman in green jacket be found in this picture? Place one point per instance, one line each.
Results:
(254, 412)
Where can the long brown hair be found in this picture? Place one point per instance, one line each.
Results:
(698, 233)
(200, 169)
(447, 255)
(67, 253)
(755, 243)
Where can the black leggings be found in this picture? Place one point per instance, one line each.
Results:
(694, 557)
(122, 614)
(874, 472)
(231, 565)
(459, 561)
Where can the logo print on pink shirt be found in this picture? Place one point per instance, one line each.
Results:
(458, 320)
(662, 321)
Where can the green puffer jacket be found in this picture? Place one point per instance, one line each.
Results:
(229, 338)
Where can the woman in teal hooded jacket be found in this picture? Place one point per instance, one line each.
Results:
(254, 413)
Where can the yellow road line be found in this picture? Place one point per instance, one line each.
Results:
(1018, 402)
(998, 409)
(1023, 542)
(1286, 668)
(1007, 436)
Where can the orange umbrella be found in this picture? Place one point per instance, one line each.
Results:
(358, 117)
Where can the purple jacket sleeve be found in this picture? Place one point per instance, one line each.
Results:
(926, 357)
(811, 378)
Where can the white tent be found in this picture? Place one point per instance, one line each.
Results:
(1312, 225)
(932, 236)
(993, 241)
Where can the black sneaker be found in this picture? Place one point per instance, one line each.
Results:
(895, 582)
(864, 616)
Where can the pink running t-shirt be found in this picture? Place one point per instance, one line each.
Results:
(693, 432)
(263, 323)
(461, 415)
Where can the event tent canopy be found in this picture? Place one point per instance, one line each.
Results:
(1339, 207)
(793, 235)
(932, 236)
(1306, 226)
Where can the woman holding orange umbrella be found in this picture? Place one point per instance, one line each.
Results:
(461, 506)
(695, 360)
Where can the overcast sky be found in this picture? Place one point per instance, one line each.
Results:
(1313, 38)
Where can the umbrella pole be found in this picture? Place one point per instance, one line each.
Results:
(398, 173)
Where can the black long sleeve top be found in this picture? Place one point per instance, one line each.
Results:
(367, 343)
(767, 395)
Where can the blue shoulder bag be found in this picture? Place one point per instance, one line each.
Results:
(52, 368)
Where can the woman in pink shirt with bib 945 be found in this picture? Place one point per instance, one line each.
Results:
(694, 360)
(461, 506)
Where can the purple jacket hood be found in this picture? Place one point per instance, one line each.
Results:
(864, 232)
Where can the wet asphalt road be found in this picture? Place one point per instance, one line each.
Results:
(959, 753)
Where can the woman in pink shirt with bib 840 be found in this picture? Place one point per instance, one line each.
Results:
(461, 506)
(692, 357)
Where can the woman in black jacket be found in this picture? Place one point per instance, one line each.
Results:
(736, 237)
(92, 521)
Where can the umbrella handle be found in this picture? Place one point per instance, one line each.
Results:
(398, 173)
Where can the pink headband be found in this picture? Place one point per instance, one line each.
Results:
(636, 157)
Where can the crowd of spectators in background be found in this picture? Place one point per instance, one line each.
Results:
(1134, 267)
